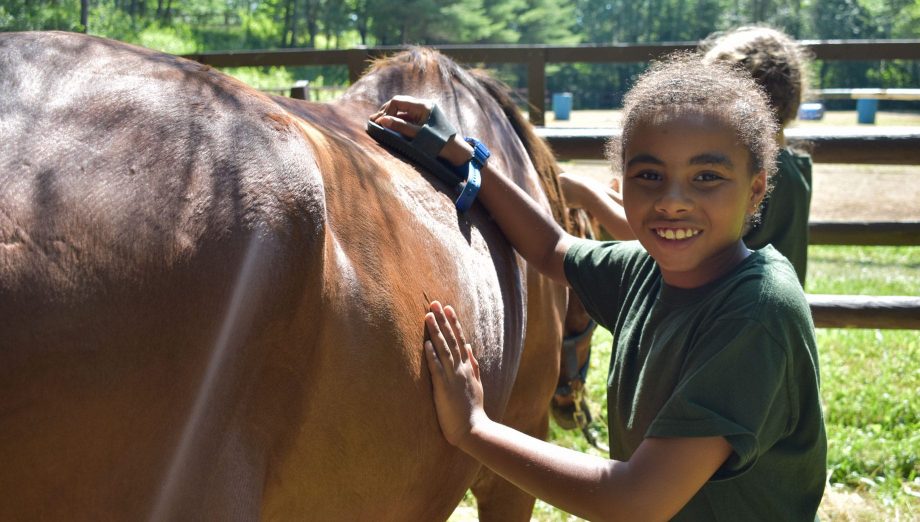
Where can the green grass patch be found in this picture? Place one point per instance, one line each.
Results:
(861, 270)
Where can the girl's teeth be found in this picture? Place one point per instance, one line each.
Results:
(680, 233)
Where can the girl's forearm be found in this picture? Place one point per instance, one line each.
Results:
(662, 475)
(572, 481)
(609, 213)
(531, 230)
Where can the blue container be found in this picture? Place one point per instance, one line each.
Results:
(865, 110)
(562, 105)
(811, 111)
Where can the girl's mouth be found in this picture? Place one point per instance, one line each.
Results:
(676, 233)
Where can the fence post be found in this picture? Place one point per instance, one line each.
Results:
(299, 92)
(536, 86)
(357, 58)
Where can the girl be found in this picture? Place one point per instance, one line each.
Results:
(713, 387)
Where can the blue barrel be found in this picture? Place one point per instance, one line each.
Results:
(865, 110)
(562, 105)
(811, 111)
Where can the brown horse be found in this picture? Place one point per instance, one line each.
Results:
(211, 299)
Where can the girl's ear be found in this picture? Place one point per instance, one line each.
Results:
(758, 189)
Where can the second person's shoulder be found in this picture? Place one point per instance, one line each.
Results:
(772, 280)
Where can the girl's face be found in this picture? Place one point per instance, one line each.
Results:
(687, 193)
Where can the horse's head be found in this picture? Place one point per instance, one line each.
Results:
(478, 105)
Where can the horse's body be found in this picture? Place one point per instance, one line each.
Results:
(211, 300)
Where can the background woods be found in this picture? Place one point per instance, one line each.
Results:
(191, 26)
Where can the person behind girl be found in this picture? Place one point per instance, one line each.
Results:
(779, 65)
(713, 400)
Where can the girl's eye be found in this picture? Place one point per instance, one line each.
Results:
(708, 177)
(648, 175)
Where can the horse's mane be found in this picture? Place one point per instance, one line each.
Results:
(542, 157)
(421, 60)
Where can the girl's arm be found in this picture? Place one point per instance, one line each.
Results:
(602, 202)
(659, 479)
(532, 231)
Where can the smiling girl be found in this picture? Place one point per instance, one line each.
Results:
(713, 399)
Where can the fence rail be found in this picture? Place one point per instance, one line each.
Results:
(867, 145)
(537, 56)
(875, 233)
(868, 94)
(863, 311)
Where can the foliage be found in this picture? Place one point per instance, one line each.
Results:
(185, 26)
(338, 23)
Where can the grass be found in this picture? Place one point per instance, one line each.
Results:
(858, 270)
(870, 388)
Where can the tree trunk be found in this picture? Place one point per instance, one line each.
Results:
(293, 23)
(285, 24)
(84, 15)
(312, 29)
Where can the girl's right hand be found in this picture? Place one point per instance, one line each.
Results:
(578, 190)
(455, 376)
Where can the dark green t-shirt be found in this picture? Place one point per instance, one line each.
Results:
(734, 358)
(784, 220)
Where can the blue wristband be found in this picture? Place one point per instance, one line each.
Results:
(470, 189)
(480, 152)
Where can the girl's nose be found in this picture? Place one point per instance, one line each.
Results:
(673, 200)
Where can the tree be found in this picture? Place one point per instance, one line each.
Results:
(84, 15)
(463, 21)
(547, 21)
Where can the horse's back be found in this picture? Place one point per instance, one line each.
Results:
(158, 231)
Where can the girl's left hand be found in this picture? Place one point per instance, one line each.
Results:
(407, 114)
(454, 370)
(404, 114)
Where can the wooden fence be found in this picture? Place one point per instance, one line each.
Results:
(866, 145)
(536, 57)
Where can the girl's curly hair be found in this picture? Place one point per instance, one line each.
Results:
(684, 84)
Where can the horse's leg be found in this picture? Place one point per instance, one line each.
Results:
(528, 408)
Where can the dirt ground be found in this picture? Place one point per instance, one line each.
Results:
(840, 192)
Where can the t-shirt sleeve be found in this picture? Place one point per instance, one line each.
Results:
(596, 271)
(734, 384)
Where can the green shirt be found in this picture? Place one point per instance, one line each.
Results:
(784, 220)
(734, 358)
